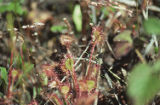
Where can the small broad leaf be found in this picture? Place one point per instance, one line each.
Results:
(4, 75)
(69, 64)
(151, 26)
(123, 43)
(143, 83)
(124, 36)
(77, 17)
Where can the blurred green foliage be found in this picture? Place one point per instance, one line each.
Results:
(152, 26)
(143, 83)
(13, 6)
(3, 75)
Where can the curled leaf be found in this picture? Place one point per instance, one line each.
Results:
(77, 17)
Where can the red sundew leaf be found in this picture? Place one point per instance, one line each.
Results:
(33, 102)
(48, 70)
(91, 84)
(64, 69)
(82, 86)
(87, 85)
(65, 89)
(86, 100)
(97, 34)
(95, 70)
(69, 64)
(14, 73)
(56, 99)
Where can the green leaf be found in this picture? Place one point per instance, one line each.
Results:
(18, 9)
(124, 36)
(152, 25)
(34, 92)
(44, 79)
(77, 17)
(4, 75)
(39, 90)
(143, 83)
(57, 28)
(156, 49)
(69, 64)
